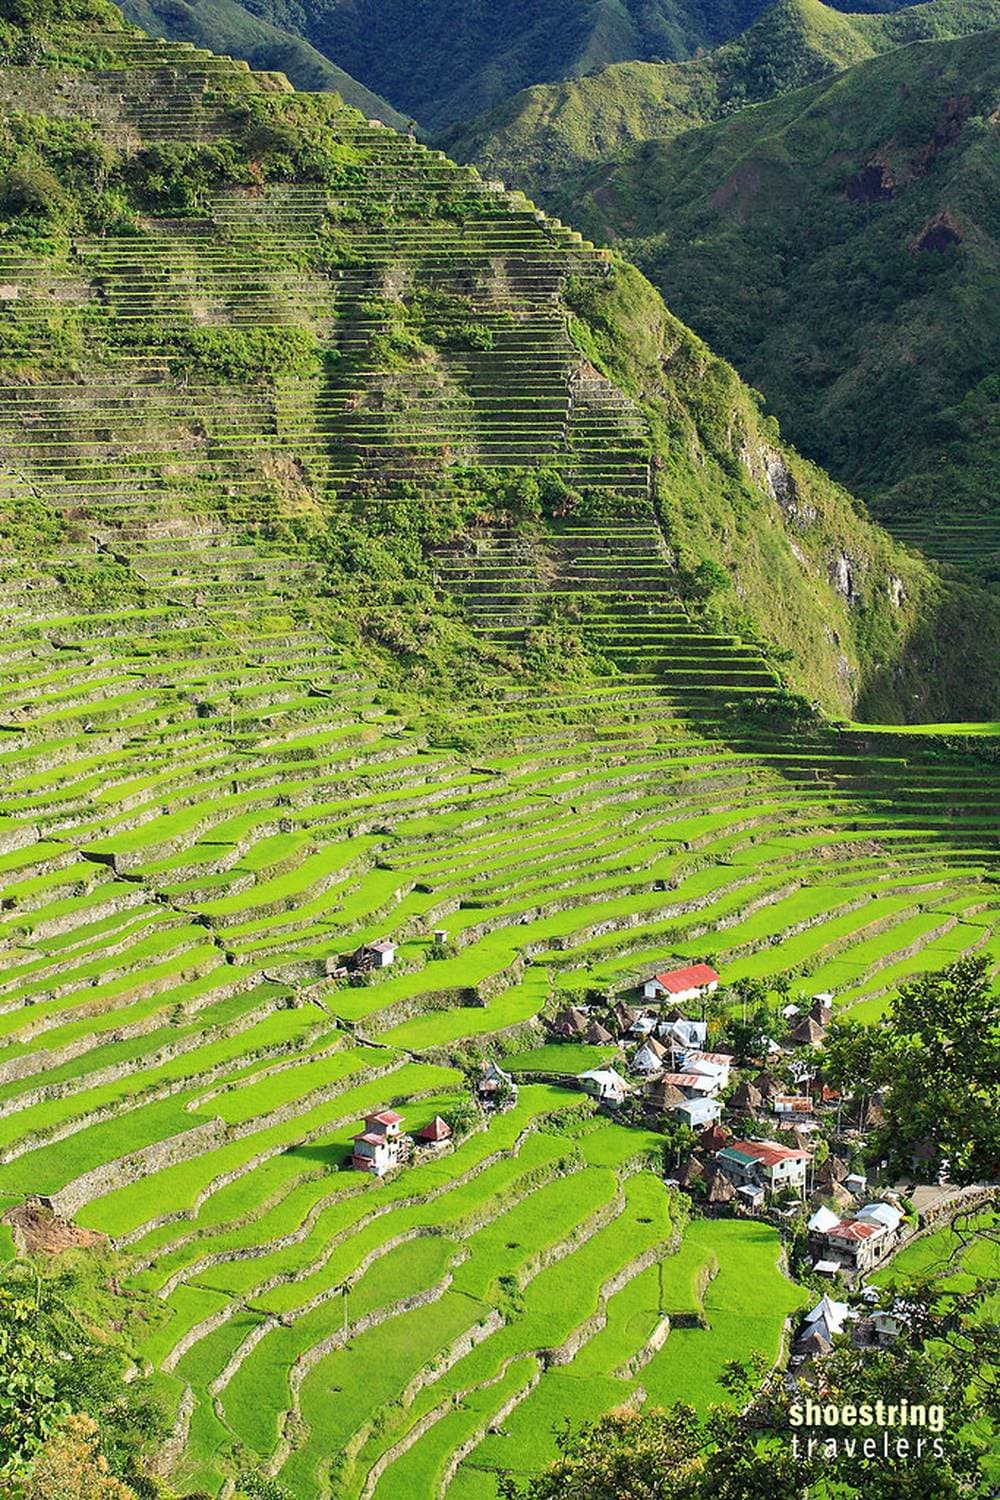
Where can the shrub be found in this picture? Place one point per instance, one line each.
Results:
(31, 192)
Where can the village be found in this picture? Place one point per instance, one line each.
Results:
(754, 1132)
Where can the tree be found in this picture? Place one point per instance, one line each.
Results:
(70, 1466)
(30, 1402)
(31, 192)
(463, 1116)
(945, 1358)
(936, 1059)
(679, 1141)
(627, 1455)
(51, 1367)
(747, 1036)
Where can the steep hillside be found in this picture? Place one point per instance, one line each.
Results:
(228, 27)
(840, 245)
(546, 137)
(861, 622)
(362, 536)
(444, 60)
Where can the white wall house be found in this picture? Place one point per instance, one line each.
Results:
(604, 1084)
(650, 1058)
(376, 1148)
(682, 984)
(765, 1163)
(699, 1113)
(713, 1065)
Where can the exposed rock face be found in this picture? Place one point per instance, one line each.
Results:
(769, 469)
(780, 483)
(877, 181)
(39, 1230)
(873, 184)
(842, 576)
(896, 591)
(939, 233)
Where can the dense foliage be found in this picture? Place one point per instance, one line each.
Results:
(61, 175)
(549, 136)
(935, 1061)
(58, 1361)
(849, 274)
(445, 62)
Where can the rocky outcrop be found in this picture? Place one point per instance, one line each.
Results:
(842, 576)
(941, 232)
(38, 1230)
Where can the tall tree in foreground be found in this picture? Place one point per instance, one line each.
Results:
(946, 1356)
(936, 1061)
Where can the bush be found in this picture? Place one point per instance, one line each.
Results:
(31, 192)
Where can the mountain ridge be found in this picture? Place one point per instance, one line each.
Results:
(443, 62)
(546, 136)
(902, 211)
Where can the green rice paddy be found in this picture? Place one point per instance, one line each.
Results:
(207, 802)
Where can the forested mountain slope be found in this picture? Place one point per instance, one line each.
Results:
(367, 546)
(444, 60)
(545, 137)
(840, 245)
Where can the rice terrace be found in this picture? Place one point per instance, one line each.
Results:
(459, 771)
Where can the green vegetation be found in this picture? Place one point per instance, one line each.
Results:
(379, 559)
(444, 64)
(228, 27)
(550, 136)
(849, 277)
(944, 1355)
(441, 64)
(936, 1062)
(57, 1358)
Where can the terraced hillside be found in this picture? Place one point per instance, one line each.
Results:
(336, 604)
(226, 26)
(865, 309)
(552, 137)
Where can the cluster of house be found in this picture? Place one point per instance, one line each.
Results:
(664, 1044)
(856, 1242)
(866, 1326)
(670, 1064)
(849, 1234)
(382, 1145)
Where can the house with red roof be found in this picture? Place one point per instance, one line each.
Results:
(859, 1244)
(377, 1147)
(682, 984)
(764, 1164)
(435, 1133)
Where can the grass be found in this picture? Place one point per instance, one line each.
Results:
(570, 1058)
(343, 682)
(953, 1253)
